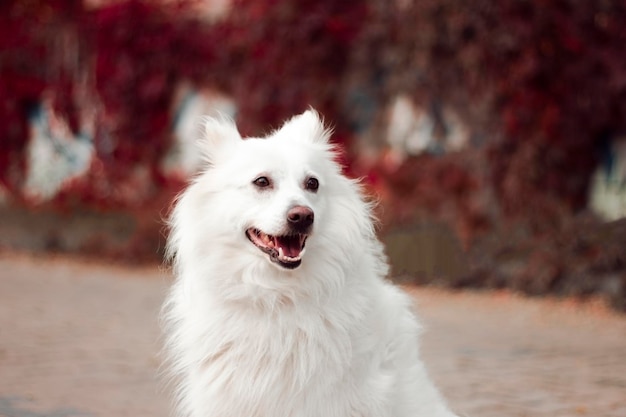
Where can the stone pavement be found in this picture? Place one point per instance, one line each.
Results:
(81, 339)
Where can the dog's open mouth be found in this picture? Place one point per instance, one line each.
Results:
(284, 250)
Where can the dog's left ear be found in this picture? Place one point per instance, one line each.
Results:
(307, 126)
(220, 133)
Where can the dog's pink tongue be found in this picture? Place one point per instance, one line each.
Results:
(290, 245)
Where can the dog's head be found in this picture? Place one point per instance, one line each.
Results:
(264, 197)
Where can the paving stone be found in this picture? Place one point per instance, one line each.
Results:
(78, 338)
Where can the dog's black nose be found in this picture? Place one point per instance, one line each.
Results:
(300, 217)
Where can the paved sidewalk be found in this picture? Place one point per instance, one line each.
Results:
(81, 339)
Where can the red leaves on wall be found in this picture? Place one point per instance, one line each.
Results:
(274, 57)
(542, 81)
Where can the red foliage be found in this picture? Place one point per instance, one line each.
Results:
(444, 189)
(554, 73)
(29, 67)
(289, 55)
(543, 81)
(135, 53)
(561, 89)
(136, 74)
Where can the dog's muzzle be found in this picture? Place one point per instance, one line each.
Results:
(286, 249)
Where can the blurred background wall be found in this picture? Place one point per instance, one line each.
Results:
(493, 133)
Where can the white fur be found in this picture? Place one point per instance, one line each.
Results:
(248, 338)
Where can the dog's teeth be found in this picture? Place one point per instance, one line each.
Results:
(283, 257)
(302, 253)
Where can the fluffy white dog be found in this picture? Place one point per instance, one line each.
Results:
(280, 307)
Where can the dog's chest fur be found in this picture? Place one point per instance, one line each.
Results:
(270, 363)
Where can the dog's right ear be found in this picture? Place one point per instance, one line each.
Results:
(219, 133)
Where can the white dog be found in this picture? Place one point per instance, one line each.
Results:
(280, 307)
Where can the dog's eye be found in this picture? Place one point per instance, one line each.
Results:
(312, 184)
(262, 182)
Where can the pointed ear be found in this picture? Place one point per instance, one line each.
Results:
(307, 126)
(219, 133)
